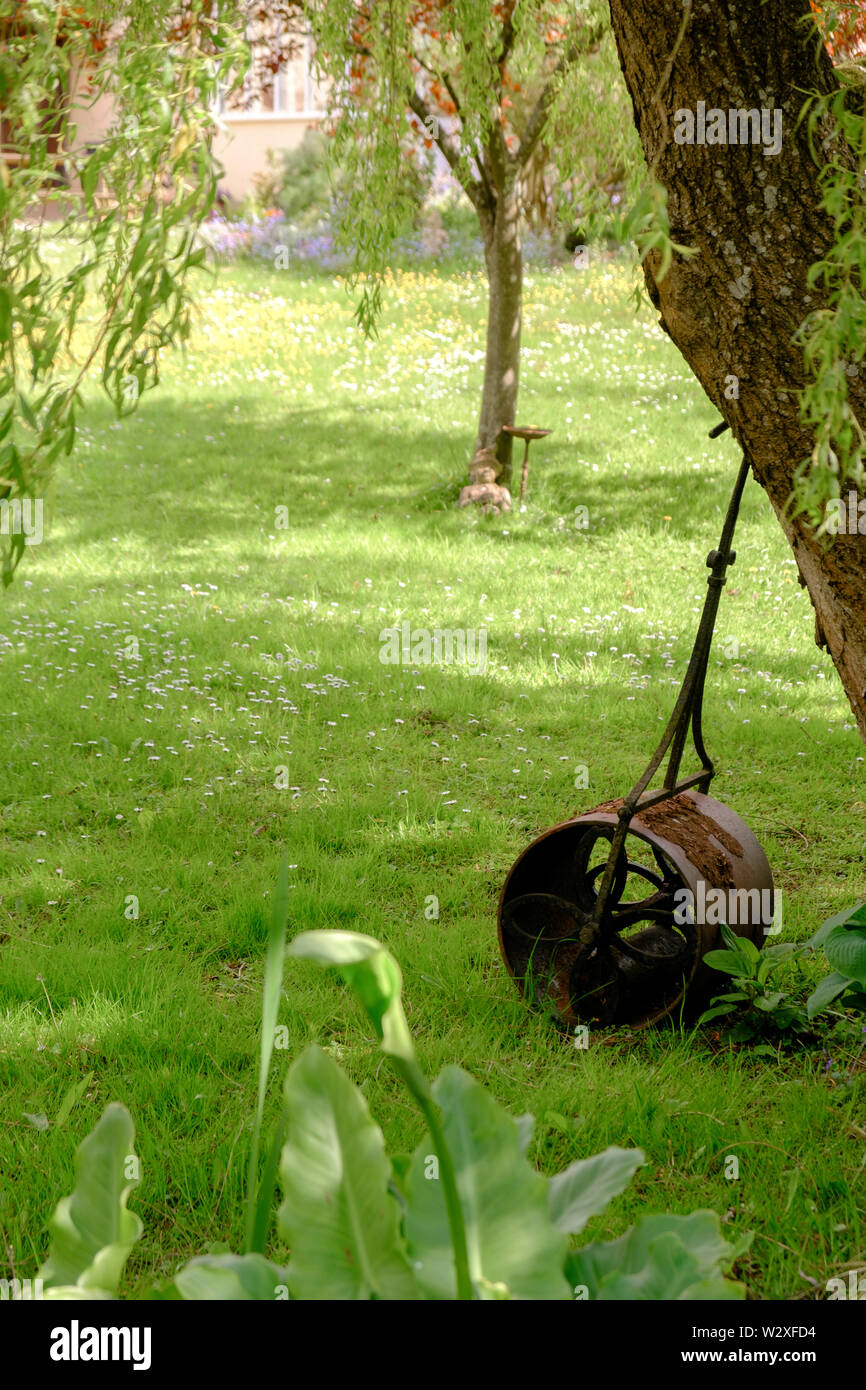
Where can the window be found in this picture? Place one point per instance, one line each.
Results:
(294, 92)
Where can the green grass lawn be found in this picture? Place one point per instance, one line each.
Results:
(192, 688)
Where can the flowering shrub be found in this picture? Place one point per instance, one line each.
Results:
(270, 236)
(264, 237)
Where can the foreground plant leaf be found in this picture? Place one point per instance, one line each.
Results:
(661, 1257)
(845, 949)
(375, 975)
(854, 915)
(338, 1216)
(584, 1189)
(514, 1249)
(829, 989)
(372, 972)
(74, 1293)
(260, 1193)
(92, 1231)
(230, 1277)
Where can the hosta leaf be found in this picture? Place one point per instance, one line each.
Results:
(233, 1277)
(585, 1187)
(846, 915)
(92, 1231)
(661, 1257)
(830, 987)
(513, 1246)
(338, 1217)
(845, 949)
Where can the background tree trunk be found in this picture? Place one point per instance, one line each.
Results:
(504, 260)
(756, 221)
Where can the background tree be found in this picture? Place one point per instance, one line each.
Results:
(496, 88)
(770, 312)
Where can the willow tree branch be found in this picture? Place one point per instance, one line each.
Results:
(451, 150)
(588, 41)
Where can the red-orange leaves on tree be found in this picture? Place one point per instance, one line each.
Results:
(843, 27)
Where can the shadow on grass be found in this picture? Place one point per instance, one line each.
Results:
(182, 478)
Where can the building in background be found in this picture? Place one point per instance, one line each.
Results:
(249, 124)
(274, 118)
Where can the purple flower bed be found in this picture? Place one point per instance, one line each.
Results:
(272, 238)
(267, 238)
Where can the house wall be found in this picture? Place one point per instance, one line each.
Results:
(243, 138)
(243, 142)
(91, 118)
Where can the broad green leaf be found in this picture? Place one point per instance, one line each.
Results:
(92, 1230)
(258, 1210)
(783, 951)
(586, 1186)
(337, 1216)
(768, 1002)
(525, 1130)
(727, 961)
(510, 1236)
(337, 948)
(741, 945)
(718, 1012)
(669, 1272)
(231, 1277)
(69, 1293)
(845, 949)
(374, 975)
(661, 1257)
(838, 920)
(400, 1165)
(830, 987)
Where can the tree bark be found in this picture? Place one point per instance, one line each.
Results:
(500, 227)
(756, 221)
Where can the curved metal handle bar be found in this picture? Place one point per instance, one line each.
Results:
(686, 712)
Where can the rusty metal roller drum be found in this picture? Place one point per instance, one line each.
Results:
(607, 918)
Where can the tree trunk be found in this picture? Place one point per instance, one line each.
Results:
(755, 219)
(504, 260)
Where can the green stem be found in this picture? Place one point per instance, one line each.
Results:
(418, 1084)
